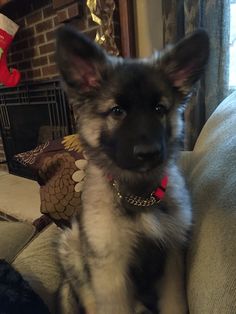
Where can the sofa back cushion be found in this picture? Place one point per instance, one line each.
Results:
(211, 175)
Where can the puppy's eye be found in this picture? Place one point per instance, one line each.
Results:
(160, 109)
(117, 112)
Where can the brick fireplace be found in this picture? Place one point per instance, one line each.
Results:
(32, 51)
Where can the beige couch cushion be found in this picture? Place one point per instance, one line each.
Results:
(13, 238)
(39, 266)
(19, 197)
(212, 179)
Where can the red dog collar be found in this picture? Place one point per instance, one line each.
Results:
(160, 191)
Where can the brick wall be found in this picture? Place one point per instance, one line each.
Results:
(32, 51)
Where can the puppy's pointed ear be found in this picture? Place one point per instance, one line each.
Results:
(82, 63)
(184, 63)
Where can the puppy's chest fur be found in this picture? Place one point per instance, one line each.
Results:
(128, 246)
(108, 229)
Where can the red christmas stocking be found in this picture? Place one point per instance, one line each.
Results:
(8, 30)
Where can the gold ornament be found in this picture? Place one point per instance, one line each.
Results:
(102, 14)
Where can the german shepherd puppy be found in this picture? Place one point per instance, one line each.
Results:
(124, 253)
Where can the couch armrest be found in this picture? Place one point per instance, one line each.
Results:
(14, 237)
(38, 264)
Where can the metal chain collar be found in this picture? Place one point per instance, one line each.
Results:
(136, 200)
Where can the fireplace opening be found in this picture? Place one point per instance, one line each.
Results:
(32, 114)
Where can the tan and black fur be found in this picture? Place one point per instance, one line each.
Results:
(120, 258)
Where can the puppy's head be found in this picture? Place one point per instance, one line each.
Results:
(129, 111)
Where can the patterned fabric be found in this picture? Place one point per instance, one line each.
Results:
(29, 158)
(60, 168)
(181, 17)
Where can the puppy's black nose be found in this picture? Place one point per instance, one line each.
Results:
(147, 152)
